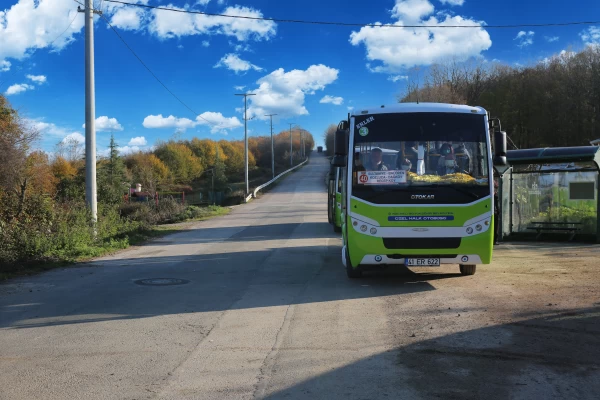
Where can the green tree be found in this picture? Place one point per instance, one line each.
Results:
(111, 176)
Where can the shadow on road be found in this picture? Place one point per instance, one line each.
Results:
(552, 357)
(217, 282)
(305, 230)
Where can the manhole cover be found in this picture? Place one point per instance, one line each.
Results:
(162, 281)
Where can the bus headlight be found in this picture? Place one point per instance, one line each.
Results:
(373, 231)
(479, 228)
(363, 228)
(469, 230)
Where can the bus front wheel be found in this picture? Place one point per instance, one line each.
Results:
(468, 269)
(352, 272)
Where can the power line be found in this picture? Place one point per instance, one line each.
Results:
(298, 21)
(153, 74)
(37, 48)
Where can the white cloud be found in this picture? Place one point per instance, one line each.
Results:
(202, 2)
(138, 141)
(104, 124)
(30, 25)
(39, 79)
(551, 39)
(453, 2)
(396, 78)
(283, 92)
(167, 25)
(180, 47)
(47, 128)
(399, 48)
(240, 47)
(332, 100)
(205, 43)
(234, 63)
(158, 121)
(5, 65)
(18, 88)
(216, 121)
(524, 38)
(125, 150)
(75, 136)
(239, 88)
(350, 108)
(127, 17)
(591, 36)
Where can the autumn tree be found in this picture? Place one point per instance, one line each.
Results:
(234, 162)
(147, 170)
(552, 103)
(16, 140)
(183, 165)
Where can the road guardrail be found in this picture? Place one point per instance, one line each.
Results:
(253, 194)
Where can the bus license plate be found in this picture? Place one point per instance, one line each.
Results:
(422, 262)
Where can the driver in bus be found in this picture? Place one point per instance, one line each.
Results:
(376, 161)
(463, 158)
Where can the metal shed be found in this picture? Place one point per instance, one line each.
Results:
(550, 193)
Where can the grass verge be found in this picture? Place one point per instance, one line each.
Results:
(136, 238)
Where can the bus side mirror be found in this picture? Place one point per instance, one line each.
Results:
(500, 149)
(340, 145)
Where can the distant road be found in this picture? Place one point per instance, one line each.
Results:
(266, 311)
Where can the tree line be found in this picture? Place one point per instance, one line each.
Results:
(553, 103)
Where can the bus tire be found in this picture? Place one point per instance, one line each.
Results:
(353, 273)
(468, 269)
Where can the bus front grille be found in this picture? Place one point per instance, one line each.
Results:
(421, 243)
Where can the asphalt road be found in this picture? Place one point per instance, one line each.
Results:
(266, 311)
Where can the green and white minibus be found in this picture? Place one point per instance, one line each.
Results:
(417, 189)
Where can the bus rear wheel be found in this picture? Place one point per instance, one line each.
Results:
(468, 269)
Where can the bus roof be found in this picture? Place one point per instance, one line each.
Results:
(418, 107)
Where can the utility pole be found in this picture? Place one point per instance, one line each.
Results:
(90, 111)
(272, 146)
(245, 136)
(291, 149)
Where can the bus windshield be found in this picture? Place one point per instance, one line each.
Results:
(441, 155)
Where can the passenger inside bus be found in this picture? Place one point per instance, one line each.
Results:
(376, 160)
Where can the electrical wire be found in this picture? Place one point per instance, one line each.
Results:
(37, 48)
(153, 74)
(298, 21)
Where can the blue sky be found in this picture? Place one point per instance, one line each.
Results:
(308, 74)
